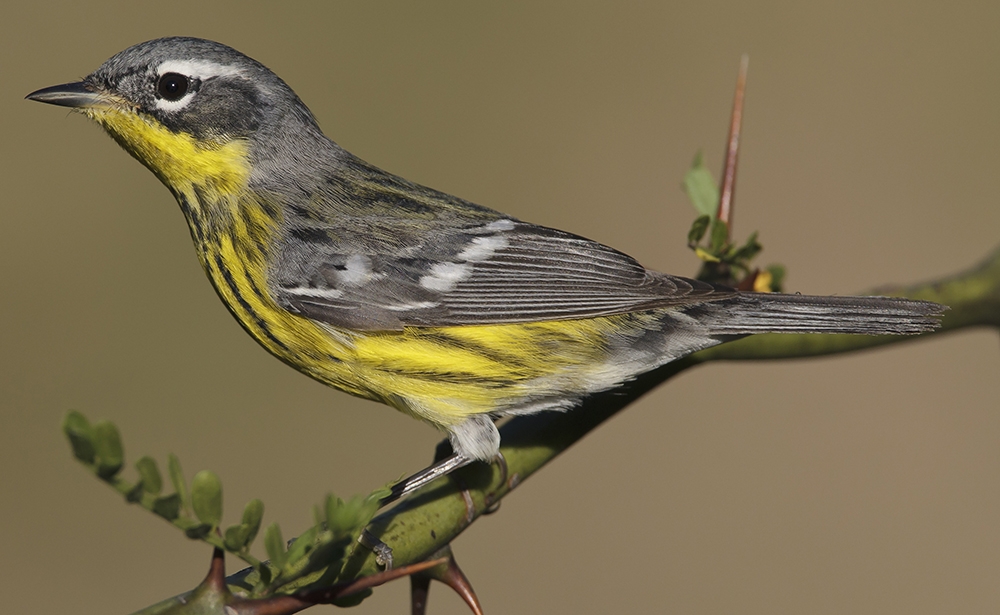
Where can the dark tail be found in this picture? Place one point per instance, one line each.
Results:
(779, 313)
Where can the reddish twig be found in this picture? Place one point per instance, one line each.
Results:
(214, 591)
(728, 186)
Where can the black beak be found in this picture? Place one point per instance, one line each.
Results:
(77, 95)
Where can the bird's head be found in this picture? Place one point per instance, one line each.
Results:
(194, 111)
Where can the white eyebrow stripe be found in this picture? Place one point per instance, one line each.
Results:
(198, 69)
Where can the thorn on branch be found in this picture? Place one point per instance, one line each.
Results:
(447, 572)
(215, 580)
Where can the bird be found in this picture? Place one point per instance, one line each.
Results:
(451, 312)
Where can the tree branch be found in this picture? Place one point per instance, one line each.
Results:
(421, 525)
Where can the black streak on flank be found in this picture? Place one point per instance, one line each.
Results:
(271, 209)
(443, 339)
(192, 215)
(262, 327)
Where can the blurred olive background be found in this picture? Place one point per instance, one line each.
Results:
(864, 484)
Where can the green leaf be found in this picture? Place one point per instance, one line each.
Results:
(701, 188)
(777, 277)
(275, 546)
(177, 479)
(264, 572)
(331, 507)
(134, 494)
(198, 531)
(152, 482)
(706, 256)
(698, 228)
(168, 506)
(747, 251)
(347, 517)
(187, 524)
(78, 431)
(107, 449)
(381, 493)
(253, 513)
(325, 551)
(301, 546)
(720, 235)
(235, 537)
(206, 497)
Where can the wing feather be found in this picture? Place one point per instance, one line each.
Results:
(483, 273)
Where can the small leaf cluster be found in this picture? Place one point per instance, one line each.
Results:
(317, 556)
(721, 258)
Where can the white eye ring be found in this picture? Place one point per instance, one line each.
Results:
(195, 71)
(168, 85)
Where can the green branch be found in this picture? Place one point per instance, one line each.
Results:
(420, 526)
(432, 518)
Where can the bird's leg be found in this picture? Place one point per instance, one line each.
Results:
(408, 485)
(383, 552)
(425, 476)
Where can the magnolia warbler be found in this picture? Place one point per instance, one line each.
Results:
(448, 311)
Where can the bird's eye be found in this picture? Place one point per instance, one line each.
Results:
(172, 86)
